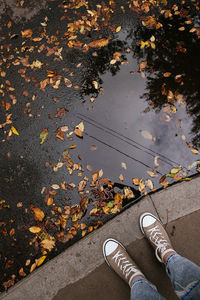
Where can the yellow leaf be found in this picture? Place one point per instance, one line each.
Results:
(175, 170)
(95, 83)
(118, 28)
(39, 215)
(72, 147)
(136, 181)
(34, 229)
(48, 243)
(99, 43)
(149, 183)
(43, 136)
(14, 130)
(152, 174)
(195, 151)
(40, 260)
(100, 173)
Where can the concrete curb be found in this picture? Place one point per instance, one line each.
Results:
(86, 255)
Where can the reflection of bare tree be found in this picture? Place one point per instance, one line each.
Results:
(176, 52)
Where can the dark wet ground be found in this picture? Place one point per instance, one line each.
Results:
(143, 112)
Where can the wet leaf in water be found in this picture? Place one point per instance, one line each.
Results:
(175, 170)
(146, 134)
(123, 165)
(121, 177)
(43, 136)
(152, 174)
(195, 151)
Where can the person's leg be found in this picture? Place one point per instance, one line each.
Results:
(118, 259)
(142, 289)
(184, 275)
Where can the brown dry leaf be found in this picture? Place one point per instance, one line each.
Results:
(78, 132)
(95, 176)
(121, 177)
(34, 229)
(27, 33)
(33, 267)
(50, 201)
(99, 43)
(48, 243)
(60, 112)
(12, 232)
(81, 186)
(22, 273)
(59, 135)
(152, 174)
(143, 65)
(27, 262)
(93, 148)
(39, 214)
(167, 74)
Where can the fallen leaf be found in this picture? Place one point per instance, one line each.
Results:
(195, 151)
(59, 135)
(22, 273)
(99, 43)
(143, 65)
(123, 165)
(146, 134)
(175, 170)
(33, 267)
(34, 229)
(48, 243)
(100, 173)
(152, 174)
(40, 260)
(136, 181)
(95, 176)
(78, 132)
(39, 214)
(27, 33)
(89, 168)
(43, 136)
(60, 112)
(121, 177)
(167, 74)
(55, 186)
(118, 28)
(50, 201)
(149, 183)
(95, 83)
(14, 130)
(81, 186)
(156, 164)
(128, 193)
(93, 148)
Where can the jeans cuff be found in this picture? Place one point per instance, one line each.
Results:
(169, 258)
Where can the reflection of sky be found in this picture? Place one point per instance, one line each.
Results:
(121, 108)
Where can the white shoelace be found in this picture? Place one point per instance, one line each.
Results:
(125, 265)
(157, 238)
